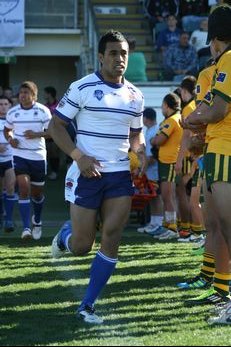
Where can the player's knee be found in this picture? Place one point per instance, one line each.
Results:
(81, 250)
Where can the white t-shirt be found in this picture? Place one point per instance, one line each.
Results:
(7, 155)
(37, 119)
(105, 114)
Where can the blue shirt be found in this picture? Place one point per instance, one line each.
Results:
(177, 57)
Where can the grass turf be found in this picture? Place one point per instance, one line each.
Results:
(141, 304)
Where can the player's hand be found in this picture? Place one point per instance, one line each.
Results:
(14, 143)
(89, 167)
(30, 134)
(178, 167)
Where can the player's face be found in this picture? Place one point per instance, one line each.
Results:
(114, 61)
(4, 107)
(26, 97)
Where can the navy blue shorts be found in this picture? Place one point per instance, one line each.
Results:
(5, 166)
(91, 192)
(35, 169)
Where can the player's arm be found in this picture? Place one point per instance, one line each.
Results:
(159, 139)
(206, 114)
(30, 134)
(183, 150)
(57, 130)
(8, 133)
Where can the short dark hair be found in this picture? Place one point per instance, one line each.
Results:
(189, 83)
(51, 90)
(110, 36)
(2, 97)
(131, 43)
(149, 113)
(173, 101)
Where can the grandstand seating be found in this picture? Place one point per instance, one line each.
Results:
(127, 16)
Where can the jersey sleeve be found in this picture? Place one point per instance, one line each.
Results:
(137, 122)
(9, 121)
(168, 127)
(70, 104)
(222, 86)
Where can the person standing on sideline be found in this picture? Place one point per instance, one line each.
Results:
(53, 152)
(152, 172)
(108, 110)
(25, 130)
(136, 70)
(6, 171)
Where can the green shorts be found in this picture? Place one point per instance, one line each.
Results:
(166, 172)
(217, 168)
(196, 178)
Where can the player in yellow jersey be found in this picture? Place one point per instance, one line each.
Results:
(190, 211)
(168, 140)
(217, 159)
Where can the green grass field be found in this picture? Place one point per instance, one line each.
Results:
(141, 304)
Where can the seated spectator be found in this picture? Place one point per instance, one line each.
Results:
(157, 12)
(180, 60)
(136, 69)
(198, 41)
(168, 36)
(191, 12)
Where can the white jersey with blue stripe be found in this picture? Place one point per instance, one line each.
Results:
(105, 114)
(37, 119)
(7, 154)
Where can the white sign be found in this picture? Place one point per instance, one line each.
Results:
(12, 23)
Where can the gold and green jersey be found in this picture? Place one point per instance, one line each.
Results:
(219, 134)
(171, 128)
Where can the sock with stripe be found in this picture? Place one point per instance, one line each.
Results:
(24, 208)
(184, 226)
(197, 229)
(170, 217)
(101, 270)
(221, 283)
(9, 206)
(208, 267)
(38, 206)
(64, 236)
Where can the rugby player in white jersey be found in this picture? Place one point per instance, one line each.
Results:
(108, 111)
(7, 175)
(25, 130)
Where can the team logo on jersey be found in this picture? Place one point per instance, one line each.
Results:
(17, 115)
(221, 77)
(69, 184)
(62, 103)
(35, 113)
(6, 6)
(98, 94)
(208, 97)
(198, 89)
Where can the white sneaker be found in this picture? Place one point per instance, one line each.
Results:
(142, 229)
(36, 230)
(151, 230)
(56, 251)
(223, 318)
(169, 235)
(88, 316)
(26, 234)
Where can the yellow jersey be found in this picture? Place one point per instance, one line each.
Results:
(204, 84)
(188, 108)
(171, 128)
(219, 134)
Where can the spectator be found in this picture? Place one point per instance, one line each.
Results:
(180, 59)
(53, 152)
(157, 12)
(168, 36)
(152, 172)
(8, 92)
(198, 41)
(136, 69)
(191, 12)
